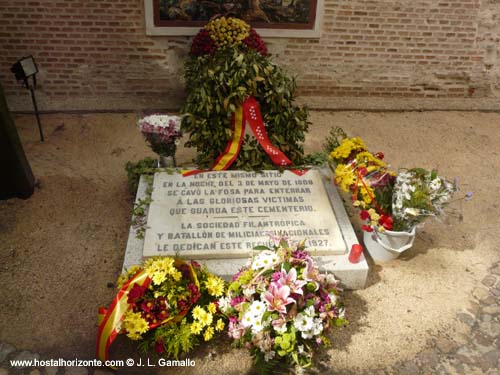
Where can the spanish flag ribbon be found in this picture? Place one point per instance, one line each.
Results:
(233, 147)
(248, 112)
(110, 319)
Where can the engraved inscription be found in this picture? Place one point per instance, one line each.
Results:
(226, 214)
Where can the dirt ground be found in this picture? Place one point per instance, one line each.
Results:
(61, 248)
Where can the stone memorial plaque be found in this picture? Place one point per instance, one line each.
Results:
(226, 214)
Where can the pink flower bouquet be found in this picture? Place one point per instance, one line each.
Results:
(162, 132)
(281, 307)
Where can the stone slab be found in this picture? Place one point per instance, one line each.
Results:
(225, 214)
(353, 276)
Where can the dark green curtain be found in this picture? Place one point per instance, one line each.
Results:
(16, 177)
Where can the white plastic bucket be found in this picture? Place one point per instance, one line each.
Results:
(387, 245)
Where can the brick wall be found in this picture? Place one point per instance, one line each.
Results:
(94, 54)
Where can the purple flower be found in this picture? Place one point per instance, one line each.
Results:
(276, 276)
(468, 196)
(236, 301)
(300, 255)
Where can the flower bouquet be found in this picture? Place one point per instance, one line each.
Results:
(391, 205)
(280, 307)
(167, 304)
(366, 176)
(163, 134)
(388, 201)
(418, 194)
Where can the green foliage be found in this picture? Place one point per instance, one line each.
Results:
(217, 85)
(272, 366)
(334, 138)
(383, 196)
(176, 338)
(316, 159)
(145, 166)
(139, 214)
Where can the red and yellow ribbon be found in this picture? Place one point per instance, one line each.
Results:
(248, 112)
(233, 147)
(110, 319)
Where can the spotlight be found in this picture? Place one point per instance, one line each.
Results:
(23, 69)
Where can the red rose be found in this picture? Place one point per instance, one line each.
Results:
(202, 44)
(367, 228)
(364, 215)
(386, 221)
(135, 293)
(254, 41)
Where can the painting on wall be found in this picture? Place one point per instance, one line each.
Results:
(270, 17)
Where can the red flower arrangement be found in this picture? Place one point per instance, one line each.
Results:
(203, 44)
(254, 41)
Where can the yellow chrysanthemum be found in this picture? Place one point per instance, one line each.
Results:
(367, 193)
(219, 326)
(198, 312)
(208, 334)
(366, 157)
(346, 147)
(176, 275)
(159, 264)
(196, 328)
(212, 308)
(134, 324)
(160, 269)
(344, 177)
(134, 336)
(206, 319)
(215, 286)
(158, 277)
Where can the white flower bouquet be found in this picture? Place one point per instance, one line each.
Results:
(417, 195)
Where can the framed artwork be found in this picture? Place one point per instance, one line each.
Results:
(271, 18)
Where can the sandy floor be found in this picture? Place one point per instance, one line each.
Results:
(60, 248)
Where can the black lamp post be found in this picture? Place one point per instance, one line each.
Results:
(23, 69)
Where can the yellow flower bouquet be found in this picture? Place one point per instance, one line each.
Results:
(167, 304)
(367, 178)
